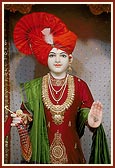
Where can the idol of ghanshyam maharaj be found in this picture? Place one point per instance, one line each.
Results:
(56, 107)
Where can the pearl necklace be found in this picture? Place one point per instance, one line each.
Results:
(51, 89)
(51, 86)
(58, 111)
(57, 100)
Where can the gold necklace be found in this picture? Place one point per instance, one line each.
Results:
(50, 84)
(51, 89)
(58, 111)
(57, 82)
(53, 95)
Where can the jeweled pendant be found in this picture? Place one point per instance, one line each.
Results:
(58, 119)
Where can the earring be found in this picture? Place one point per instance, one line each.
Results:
(69, 68)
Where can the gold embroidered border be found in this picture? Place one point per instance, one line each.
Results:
(6, 86)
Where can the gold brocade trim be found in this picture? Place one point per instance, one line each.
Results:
(6, 86)
(57, 150)
(25, 142)
(58, 111)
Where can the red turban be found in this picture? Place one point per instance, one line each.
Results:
(37, 33)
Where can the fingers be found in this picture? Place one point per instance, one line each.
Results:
(13, 125)
(16, 121)
(95, 114)
(97, 107)
(20, 118)
(13, 115)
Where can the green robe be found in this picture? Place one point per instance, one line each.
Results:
(32, 99)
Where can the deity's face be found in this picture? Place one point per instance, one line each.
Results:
(58, 61)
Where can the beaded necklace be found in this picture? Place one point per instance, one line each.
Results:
(62, 89)
(58, 111)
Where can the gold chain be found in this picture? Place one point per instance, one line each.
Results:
(57, 82)
(57, 111)
(62, 87)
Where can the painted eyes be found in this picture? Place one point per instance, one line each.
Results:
(63, 55)
(54, 55)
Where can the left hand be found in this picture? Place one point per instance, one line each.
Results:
(20, 118)
(95, 114)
